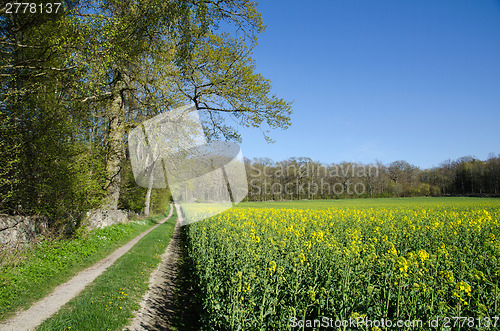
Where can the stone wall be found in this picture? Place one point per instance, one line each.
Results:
(16, 230)
(100, 218)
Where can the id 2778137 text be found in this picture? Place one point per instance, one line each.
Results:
(32, 8)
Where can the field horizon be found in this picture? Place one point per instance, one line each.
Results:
(361, 202)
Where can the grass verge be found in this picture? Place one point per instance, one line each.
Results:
(40, 269)
(109, 302)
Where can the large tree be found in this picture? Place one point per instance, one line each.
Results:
(106, 65)
(192, 64)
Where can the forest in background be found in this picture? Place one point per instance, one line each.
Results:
(303, 178)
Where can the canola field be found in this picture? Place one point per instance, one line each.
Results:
(273, 265)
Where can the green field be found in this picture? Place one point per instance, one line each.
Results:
(420, 202)
(278, 265)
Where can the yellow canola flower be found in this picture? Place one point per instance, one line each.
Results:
(392, 250)
(272, 267)
(423, 255)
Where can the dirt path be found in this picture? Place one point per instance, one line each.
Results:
(43, 309)
(171, 302)
(157, 306)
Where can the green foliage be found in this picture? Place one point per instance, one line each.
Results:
(43, 135)
(131, 195)
(160, 199)
(221, 81)
(9, 149)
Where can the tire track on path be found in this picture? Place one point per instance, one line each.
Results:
(41, 310)
(158, 307)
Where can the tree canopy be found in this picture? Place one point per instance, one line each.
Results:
(75, 82)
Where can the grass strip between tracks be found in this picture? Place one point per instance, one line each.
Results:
(109, 302)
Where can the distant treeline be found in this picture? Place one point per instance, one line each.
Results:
(303, 178)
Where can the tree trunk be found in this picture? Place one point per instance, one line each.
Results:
(148, 199)
(150, 188)
(116, 148)
(156, 157)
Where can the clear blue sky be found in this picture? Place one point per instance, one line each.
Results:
(382, 80)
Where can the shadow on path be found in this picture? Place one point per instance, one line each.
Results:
(172, 302)
(187, 297)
